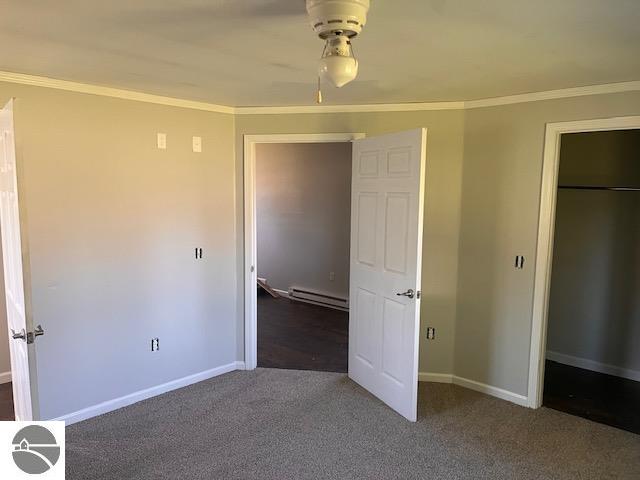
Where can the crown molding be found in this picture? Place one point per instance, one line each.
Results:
(373, 107)
(110, 92)
(298, 109)
(555, 94)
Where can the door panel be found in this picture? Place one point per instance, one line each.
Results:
(12, 262)
(396, 231)
(364, 342)
(386, 235)
(393, 315)
(367, 216)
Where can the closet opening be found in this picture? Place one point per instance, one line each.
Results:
(592, 361)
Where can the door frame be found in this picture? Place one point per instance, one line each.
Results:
(250, 241)
(546, 226)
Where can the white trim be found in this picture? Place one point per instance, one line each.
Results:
(453, 105)
(435, 377)
(544, 250)
(473, 385)
(140, 395)
(240, 365)
(250, 252)
(111, 92)
(555, 94)
(491, 390)
(5, 377)
(47, 82)
(375, 107)
(593, 365)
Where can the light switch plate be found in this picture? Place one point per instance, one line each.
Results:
(162, 141)
(197, 144)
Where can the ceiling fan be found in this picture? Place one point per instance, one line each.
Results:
(337, 22)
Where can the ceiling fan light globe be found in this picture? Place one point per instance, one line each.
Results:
(338, 70)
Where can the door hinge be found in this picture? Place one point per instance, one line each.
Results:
(31, 336)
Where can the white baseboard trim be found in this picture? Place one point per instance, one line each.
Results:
(5, 377)
(435, 377)
(516, 398)
(473, 385)
(284, 293)
(240, 365)
(593, 365)
(140, 395)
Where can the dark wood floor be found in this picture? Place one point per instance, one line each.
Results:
(602, 398)
(301, 336)
(6, 402)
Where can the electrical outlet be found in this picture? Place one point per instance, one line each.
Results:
(332, 276)
(155, 344)
(431, 333)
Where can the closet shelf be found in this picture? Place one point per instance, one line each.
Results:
(596, 187)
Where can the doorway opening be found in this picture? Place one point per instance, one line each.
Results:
(278, 309)
(303, 203)
(588, 321)
(6, 386)
(387, 213)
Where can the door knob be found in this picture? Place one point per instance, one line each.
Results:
(409, 293)
(16, 335)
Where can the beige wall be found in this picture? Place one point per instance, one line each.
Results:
(303, 215)
(113, 221)
(112, 226)
(500, 201)
(442, 208)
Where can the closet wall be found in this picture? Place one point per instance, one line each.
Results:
(594, 311)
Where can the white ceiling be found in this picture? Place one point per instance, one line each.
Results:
(263, 52)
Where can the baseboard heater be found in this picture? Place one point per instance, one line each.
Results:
(318, 298)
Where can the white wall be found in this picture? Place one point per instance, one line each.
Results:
(303, 201)
(112, 223)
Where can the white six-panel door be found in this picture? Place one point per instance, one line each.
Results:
(12, 261)
(386, 245)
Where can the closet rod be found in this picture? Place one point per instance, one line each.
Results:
(587, 187)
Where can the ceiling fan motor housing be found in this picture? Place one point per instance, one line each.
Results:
(337, 17)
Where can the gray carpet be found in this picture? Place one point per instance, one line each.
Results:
(285, 424)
